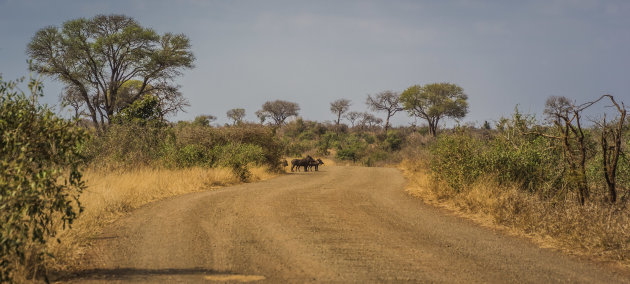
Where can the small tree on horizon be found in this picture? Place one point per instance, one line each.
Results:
(236, 115)
(386, 101)
(339, 107)
(434, 102)
(204, 119)
(353, 116)
(369, 120)
(278, 111)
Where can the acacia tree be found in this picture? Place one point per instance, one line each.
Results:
(72, 98)
(278, 111)
(353, 116)
(339, 107)
(369, 120)
(433, 102)
(236, 114)
(386, 101)
(262, 116)
(204, 119)
(96, 57)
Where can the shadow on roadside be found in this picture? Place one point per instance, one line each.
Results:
(115, 274)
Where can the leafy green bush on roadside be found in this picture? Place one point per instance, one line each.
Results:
(40, 180)
(185, 145)
(518, 153)
(529, 161)
(352, 148)
(238, 157)
(458, 159)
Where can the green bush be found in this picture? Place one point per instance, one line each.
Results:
(209, 143)
(184, 145)
(40, 180)
(144, 111)
(238, 157)
(458, 159)
(394, 140)
(373, 157)
(295, 148)
(326, 143)
(351, 148)
(192, 155)
(519, 153)
(530, 162)
(126, 146)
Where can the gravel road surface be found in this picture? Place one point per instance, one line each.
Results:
(341, 224)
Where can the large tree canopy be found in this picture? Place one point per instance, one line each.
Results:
(95, 57)
(434, 102)
(278, 110)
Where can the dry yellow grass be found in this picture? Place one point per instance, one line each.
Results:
(112, 194)
(593, 230)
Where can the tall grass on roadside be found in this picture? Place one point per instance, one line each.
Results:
(111, 194)
(594, 229)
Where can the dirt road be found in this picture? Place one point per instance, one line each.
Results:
(341, 224)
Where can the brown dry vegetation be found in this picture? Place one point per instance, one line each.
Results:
(112, 194)
(593, 230)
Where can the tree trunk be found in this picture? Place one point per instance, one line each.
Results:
(610, 153)
(432, 129)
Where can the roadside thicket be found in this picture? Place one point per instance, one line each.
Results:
(40, 179)
(184, 145)
(528, 176)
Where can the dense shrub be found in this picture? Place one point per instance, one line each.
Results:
(184, 145)
(352, 148)
(394, 140)
(238, 156)
(458, 159)
(144, 111)
(531, 163)
(126, 145)
(519, 153)
(295, 147)
(192, 155)
(40, 181)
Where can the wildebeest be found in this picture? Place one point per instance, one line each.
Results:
(316, 164)
(297, 163)
(284, 163)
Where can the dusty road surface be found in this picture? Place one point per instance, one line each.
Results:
(341, 224)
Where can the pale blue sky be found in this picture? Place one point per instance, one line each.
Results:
(502, 53)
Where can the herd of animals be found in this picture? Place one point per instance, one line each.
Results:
(307, 163)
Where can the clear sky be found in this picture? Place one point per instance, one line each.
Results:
(502, 53)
